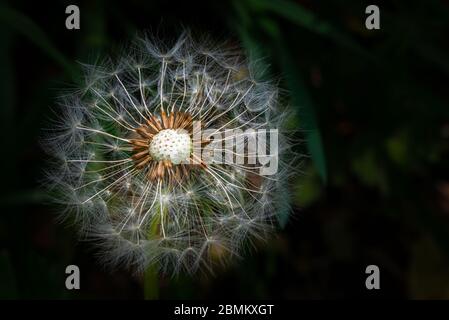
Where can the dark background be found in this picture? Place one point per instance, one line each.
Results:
(372, 108)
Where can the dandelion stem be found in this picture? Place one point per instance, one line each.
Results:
(151, 274)
(151, 283)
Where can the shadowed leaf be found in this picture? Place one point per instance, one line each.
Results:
(307, 19)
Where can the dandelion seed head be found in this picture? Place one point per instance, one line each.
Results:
(125, 166)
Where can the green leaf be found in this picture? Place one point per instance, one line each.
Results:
(300, 97)
(254, 51)
(24, 25)
(308, 189)
(306, 112)
(307, 19)
(284, 209)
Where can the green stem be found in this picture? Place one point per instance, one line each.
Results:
(151, 283)
(151, 275)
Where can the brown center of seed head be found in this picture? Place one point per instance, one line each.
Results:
(159, 166)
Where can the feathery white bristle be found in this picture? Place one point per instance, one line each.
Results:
(180, 226)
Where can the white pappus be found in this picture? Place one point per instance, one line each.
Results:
(123, 146)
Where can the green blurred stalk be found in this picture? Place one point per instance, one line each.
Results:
(151, 283)
(151, 275)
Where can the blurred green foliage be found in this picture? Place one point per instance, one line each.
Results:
(372, 107)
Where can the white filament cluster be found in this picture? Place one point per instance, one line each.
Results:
(211, 213)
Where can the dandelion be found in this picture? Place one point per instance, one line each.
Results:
(132, 173)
